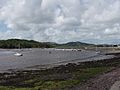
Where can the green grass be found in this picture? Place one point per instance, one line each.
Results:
(13, 88)
(49, 85)
(77, 77)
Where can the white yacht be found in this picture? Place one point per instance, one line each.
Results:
(18, 54)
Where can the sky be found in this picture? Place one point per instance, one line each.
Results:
(92, 21)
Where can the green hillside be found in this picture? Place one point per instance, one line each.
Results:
(21, 43)
(74, 45)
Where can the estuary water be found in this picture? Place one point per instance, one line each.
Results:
(33, 57)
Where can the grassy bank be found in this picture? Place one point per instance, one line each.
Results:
(57, 80)
(64, 76)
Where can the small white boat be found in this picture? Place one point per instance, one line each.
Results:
(18, 54)
(98, 52)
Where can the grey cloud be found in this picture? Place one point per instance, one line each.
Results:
(61, 20)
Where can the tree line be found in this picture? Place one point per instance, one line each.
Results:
(21, 43)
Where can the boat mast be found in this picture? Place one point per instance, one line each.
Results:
(19, 46)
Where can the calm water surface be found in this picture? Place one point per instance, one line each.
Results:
(39, 57)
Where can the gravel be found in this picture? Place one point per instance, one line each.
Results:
(100, 82)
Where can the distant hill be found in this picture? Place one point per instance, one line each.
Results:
(21, 43)
(74, 45)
